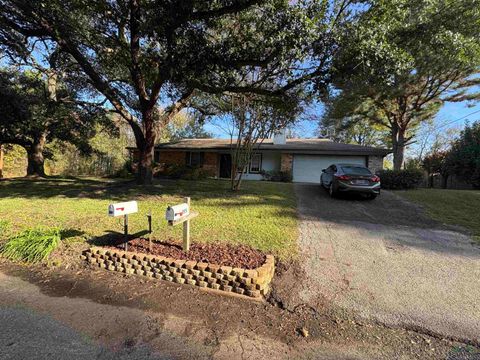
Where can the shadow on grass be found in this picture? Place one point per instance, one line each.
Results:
(70, 233)
(114, 238)
(61, 187)
(120, 190)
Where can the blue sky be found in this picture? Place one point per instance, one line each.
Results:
(448, 113)
(454, 111)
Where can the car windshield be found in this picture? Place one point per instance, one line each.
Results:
(356, 170)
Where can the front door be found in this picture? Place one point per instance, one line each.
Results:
(225, 166)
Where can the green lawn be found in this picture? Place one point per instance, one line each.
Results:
(455, 207)
(262, 214)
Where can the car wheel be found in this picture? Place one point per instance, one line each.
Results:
(325, 187)
(332, 191)
(372, 196)
(322, 184)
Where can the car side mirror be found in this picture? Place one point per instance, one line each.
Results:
(323, 170)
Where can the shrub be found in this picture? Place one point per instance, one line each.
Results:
(123, 173)
(32, 245)
(175, 171)
(400, 179)
(195, 174)
(464, 157)
(280, 176)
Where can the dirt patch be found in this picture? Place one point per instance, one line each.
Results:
(240, 256)
(127, 309)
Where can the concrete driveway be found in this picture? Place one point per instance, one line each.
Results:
(386, 260)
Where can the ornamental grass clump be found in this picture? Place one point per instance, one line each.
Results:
(32, 245)
(4, 228)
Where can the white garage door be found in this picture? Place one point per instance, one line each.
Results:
(308, 168)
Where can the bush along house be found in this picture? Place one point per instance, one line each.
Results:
(302, 159)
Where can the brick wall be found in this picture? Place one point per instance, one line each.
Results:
(375, 163)
(286, 162)
(172, 157)
(210, 163)
(210, 160)
(253, 283)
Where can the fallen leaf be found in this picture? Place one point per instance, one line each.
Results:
(304, 332)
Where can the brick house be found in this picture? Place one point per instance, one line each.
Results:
(304, 158)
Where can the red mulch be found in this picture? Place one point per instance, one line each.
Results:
(241, 256)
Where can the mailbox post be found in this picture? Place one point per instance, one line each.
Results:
(125, 231)
(186, 230)
(149, 218)
(181, 214)
(123, 209)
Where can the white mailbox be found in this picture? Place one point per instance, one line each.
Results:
(123, 208)
(177, 212)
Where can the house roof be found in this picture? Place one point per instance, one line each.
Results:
(303, 146)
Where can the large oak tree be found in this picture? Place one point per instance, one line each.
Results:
(149, 58)
(35, 110)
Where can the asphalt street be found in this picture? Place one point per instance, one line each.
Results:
(25, 334)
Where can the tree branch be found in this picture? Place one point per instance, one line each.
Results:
(174, 109)
(135, 70)
(236, 7)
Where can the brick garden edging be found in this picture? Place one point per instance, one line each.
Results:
(253, 283)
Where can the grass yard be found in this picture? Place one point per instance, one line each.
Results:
(455, 207)
(262, 214)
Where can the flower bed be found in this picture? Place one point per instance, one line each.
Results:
(249, 282)
(240, 256)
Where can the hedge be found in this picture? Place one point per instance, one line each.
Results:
(400, 179)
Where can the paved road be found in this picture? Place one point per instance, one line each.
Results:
(25, 334)
(385, 259)
(37, 322)
(36, 326)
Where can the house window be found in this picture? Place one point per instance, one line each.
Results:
(255, 163)
(156, 156)
(194, 159)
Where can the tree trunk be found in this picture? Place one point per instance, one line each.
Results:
(36, 160)
(233, 176)
(398, 145)
(444, 180)
(146, 148)
(144, 171)
(240, 160)
(1, 161)
(430, 181)
(237, 179)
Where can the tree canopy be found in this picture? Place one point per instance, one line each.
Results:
(402, 60)
(463, 159)
(31, 116)
(149, 59)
